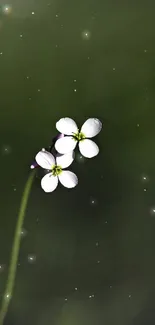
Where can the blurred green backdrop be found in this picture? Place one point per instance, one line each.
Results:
(92, 247)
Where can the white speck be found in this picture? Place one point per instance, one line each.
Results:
(152, 211)
(106, 222)
(56, 15)
(32, 12)
(86, 35)
(145, 51)
(144, 178)
(90, 297)
(38, 90)
(23, 232)
(74, 80)
(7, 296)
(1, 53)
(2, 268)
(65, 299)
(79, 158)
(21, 35)
(6, 150)
(31, 259)
(97, 244)
(138, 125)
(98, 262)
(88, 57)
(75, 289)
(93, 202)
(129, 296)
(114, 69)
(56, 45)
(75, 90)
(145, 189)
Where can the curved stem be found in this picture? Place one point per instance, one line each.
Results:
(15, 250)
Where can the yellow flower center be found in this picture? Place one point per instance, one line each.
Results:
(79, 136)
(56, 170)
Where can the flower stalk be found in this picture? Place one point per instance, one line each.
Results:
(15, 250)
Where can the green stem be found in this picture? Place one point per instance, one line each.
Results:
(15, 250)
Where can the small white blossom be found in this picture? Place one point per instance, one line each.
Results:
(68, 127)
(50, 181)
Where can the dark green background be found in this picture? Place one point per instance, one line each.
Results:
(115, 80)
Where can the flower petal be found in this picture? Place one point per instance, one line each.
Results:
(68, 179)
(65, 160)
(91, 127)
(45, 159)
(49, 182)
(66, 126)
(88, 148)
(65, 145)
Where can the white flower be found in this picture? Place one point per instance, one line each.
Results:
(87, 147)
(50, 181)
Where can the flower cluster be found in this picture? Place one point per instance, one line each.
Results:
(65, 144)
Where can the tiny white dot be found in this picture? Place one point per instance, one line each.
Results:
(32, 12)
(145, 189)
(7, 296)
(31, 259)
